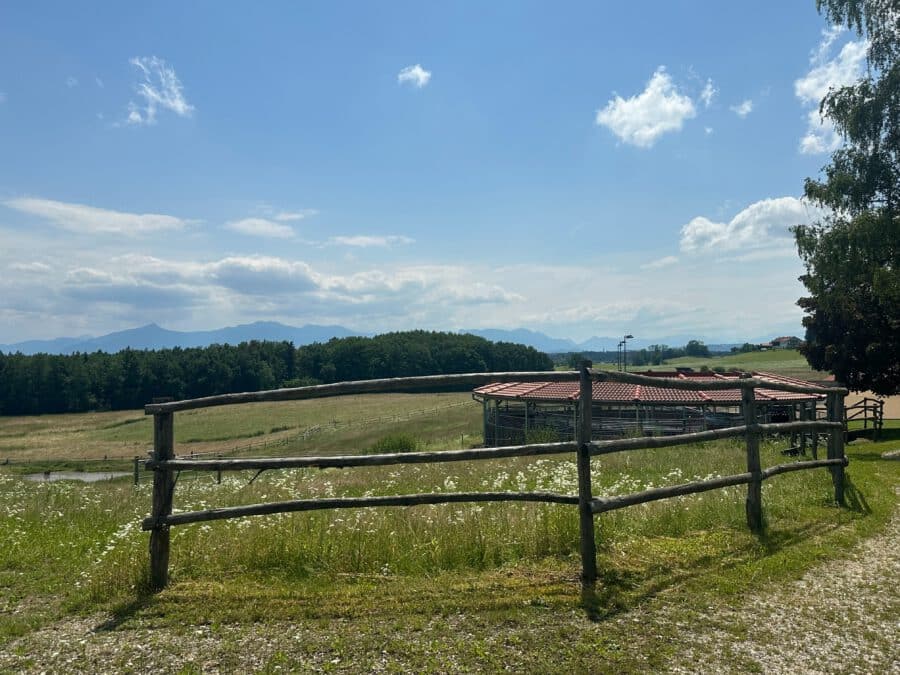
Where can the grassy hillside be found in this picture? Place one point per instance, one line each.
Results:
(345, 424)
(783, 361)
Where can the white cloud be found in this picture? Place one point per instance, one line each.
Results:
(743, 108)
(824, 74)
(160, 88)
(262, 275)
(666, 261)
(708, 130)
(369, 241)
(260, 227)
(415, 75)
(642, 119)
(765, 223)
(93, 220)
(709, 92)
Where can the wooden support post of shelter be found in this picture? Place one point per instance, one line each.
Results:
(804, 416)
(754, 487)
(163, 489)
(583, 459)
(835, 406)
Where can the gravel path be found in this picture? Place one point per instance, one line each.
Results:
(841, 617)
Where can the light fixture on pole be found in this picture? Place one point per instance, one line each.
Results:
(625, 352)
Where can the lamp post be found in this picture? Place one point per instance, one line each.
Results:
(619, 355)
(625, 352)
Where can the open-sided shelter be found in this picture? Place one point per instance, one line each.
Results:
(519, 412)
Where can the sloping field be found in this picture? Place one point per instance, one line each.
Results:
(783, 361)
(347, 423)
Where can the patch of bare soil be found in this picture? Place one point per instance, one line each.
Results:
(891, 403)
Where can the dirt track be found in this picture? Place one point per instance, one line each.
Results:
(891, 403)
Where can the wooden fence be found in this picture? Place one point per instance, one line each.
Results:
(867, 410)
(165, 464)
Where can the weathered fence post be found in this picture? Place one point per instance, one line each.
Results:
(836, 444)
(137, 469)
(219, 470)
(163, 487)
(879, 425)
(754, 487)
(585, 512)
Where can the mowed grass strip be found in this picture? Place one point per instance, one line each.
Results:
(230, 428)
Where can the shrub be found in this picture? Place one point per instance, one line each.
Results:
(393, 443)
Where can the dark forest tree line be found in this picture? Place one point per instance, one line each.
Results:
(47, 383)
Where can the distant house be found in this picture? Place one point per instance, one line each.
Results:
(786, 342)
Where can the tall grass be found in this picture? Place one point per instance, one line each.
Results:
(82, 542)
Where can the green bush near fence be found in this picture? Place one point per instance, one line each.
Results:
(393, 443)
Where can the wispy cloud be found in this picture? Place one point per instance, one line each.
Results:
(93, 220)
(743, 108)
(2, 97)
(709, 93)
(642, 119)
(827, 73)
(160, 88)
(369, 241)
(667, 261)
(291, 216)
(415, 75)
(71, 81)
(32, 267)
(260, 227)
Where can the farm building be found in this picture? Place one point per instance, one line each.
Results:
(519, 412)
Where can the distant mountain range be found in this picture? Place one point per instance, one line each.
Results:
(152, 336)
(551, 345)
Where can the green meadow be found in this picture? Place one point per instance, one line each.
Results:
(72, 549)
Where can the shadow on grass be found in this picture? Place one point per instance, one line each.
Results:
(122, 612)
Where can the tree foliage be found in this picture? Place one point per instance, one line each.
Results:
(45, 383)
(852, 255)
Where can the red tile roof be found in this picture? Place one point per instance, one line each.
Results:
(619, 392)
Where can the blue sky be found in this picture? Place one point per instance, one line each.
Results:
(576, 168)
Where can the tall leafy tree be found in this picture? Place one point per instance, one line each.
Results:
(852, 255)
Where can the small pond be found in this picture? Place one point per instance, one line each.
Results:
(84, 476)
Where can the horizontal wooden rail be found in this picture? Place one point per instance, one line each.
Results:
(360, 387)
(800, 466)
(604, 504)
(345, 461)
(712, 384)
(352, 503)
(644, 442)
